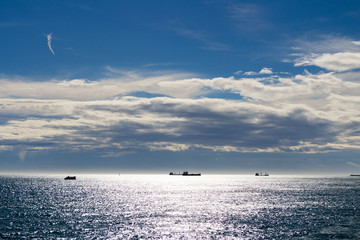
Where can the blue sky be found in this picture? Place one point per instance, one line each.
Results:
(158, 86)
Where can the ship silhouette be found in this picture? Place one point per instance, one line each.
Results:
(184, 174)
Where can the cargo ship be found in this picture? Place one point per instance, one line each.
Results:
(261, 174)
(70, 178)
(184, 174)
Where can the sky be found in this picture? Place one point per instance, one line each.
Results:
(157, 86)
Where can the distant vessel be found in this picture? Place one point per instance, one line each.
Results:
(355, 175)
(184, 174)
(70, 178)
(262, 174)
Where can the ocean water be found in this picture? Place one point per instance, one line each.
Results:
(176, 207)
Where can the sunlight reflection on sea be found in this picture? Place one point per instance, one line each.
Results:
(162, 206)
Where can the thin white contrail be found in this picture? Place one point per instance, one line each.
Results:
(49, 38)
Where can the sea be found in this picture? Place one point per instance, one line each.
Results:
(179, 207)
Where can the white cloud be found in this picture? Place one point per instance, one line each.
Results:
(81, 89)
(77, 83)
(339, 62)
(49, 40)
(266, 71)
(262, 71)
(157, 146)
(331, 53)
(250, 73)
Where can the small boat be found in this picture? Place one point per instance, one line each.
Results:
(184, 174)
(262, 174)
(70, 178)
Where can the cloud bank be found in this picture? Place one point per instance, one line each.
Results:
(132, 111)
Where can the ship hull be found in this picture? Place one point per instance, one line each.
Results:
(70, 178)
(185, 174)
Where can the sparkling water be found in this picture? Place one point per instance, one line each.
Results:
(177, 207)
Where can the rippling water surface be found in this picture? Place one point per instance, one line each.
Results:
(163, 207)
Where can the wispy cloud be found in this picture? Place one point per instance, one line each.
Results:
(249, 17)
(354, 164)
(330, 53)
(202, 37)
(49, 40)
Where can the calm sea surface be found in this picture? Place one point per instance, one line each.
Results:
(165, 207)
